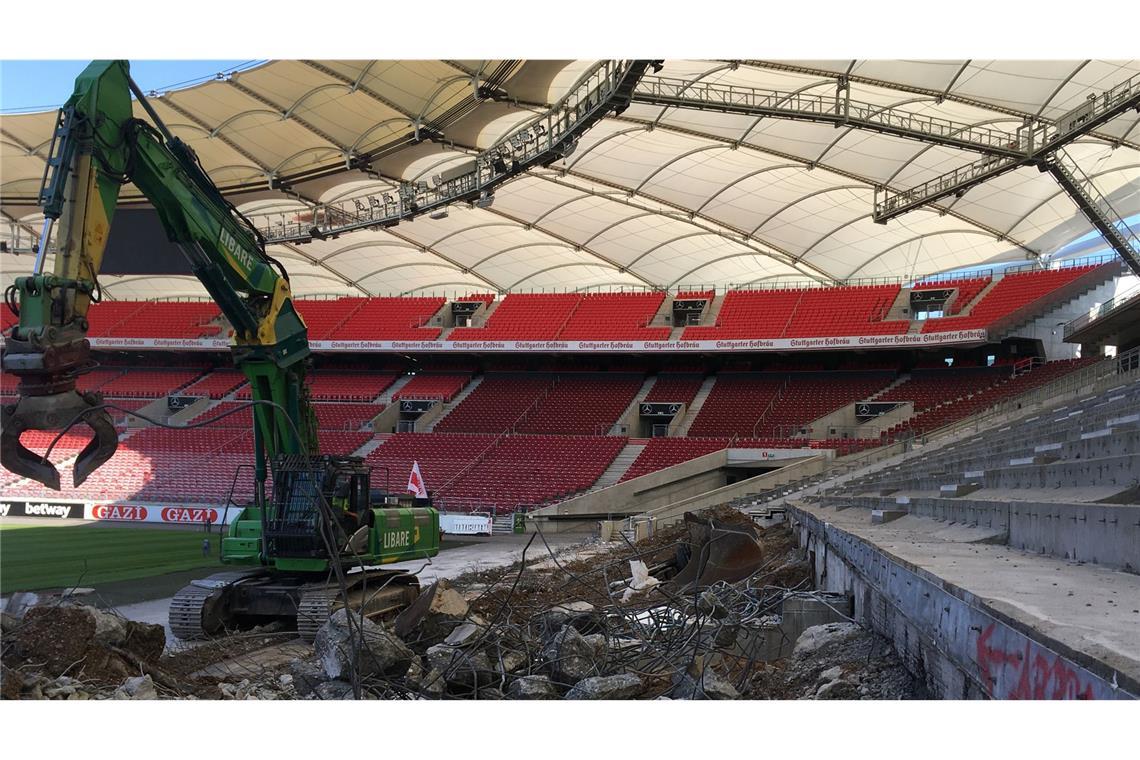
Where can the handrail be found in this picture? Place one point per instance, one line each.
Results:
(1119, 301)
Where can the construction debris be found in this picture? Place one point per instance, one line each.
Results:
(692, 612)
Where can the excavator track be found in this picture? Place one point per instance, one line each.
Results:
(197, 611)
(186, 613)
(314, 608)
(382, 594)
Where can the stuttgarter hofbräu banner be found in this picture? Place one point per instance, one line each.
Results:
(577, 346)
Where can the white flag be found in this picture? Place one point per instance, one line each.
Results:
(416, 482)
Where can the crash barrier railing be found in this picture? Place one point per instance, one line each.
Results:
(1119, 301)
(539, 141)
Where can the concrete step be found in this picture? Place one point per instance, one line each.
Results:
(695, 407)
(619, 466)
(386, 396)
(619, 427)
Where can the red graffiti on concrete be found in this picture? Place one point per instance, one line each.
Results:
(1038, 675)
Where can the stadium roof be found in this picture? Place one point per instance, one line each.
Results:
(655, 197)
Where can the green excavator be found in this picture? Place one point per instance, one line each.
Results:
(315, 536)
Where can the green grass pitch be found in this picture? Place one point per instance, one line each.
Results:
(34, 557)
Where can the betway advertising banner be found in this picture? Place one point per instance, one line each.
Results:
(577, 346)
(61, 509)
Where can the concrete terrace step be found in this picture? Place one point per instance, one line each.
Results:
(697, 404)
(619, 466)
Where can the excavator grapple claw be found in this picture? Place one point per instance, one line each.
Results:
(54, 412)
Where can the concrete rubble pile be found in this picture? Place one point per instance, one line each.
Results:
(712, 609)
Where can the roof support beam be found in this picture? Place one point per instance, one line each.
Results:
(809, 165)
(836, 108)
(1038, 141)
(603, 88)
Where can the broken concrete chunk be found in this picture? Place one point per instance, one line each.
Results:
(139, 687)
(708, 685)
(621, 686)
(532, 687)
(381, 651)
(819, 636)
(570, 657)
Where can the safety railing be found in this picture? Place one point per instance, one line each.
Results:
(1116, 303)
(835, 108)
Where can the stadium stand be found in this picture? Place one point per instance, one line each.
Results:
(857, 310)
(323, 317)
(497, 403)
(660, 453)
(675, 387)
(523, 470)
(615, 316)
(391, 319)
(168, 319)
(581, 404)
(952, 410)
(524, 316)
(218, 383)
(442, 387)
(333, 385)
(968, 290)
(1012, 292)
(147, 383)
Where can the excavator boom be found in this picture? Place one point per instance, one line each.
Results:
(97, 147)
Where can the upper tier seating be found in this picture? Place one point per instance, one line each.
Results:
(497, 403)
(749, 314)
(322, 317)
(442, 387)
(1011, 293)
(168, 319)
(856, 310)
(391, 319)
(524, 316)
(582, 404)
(615, 316)
(218, 383)
(968, 289)
(103, 316)
(675, 388)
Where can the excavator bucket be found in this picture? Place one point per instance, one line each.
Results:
(720, 552)
(55, 412)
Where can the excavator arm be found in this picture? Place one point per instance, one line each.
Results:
(97, 147)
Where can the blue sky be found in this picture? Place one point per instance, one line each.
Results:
(44, 85)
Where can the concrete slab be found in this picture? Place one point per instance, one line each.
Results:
(1089, 609)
